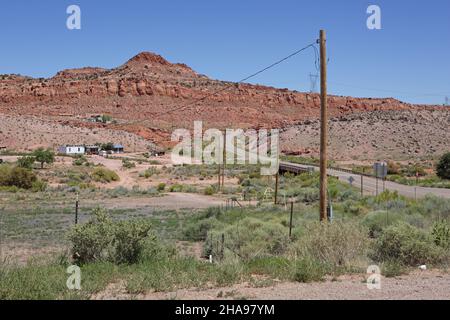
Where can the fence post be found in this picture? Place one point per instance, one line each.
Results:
(222, 247)
(290, 220)
(362, 184)
(76, 210)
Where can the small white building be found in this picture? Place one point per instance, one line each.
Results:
(72, 149)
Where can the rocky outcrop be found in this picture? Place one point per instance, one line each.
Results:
(160, 94)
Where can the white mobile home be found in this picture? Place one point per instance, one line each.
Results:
(72, 149)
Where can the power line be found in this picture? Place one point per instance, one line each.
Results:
(312, 45)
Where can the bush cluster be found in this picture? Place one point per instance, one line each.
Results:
(104, 175)
(407, 245)
(102, 239)
(18, 177)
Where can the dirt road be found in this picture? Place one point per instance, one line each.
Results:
(419, 285)
(426, 285)
(169, 201)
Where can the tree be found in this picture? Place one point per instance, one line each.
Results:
(443, 167)
(107, 146)
(26, 162)
(44, 156)
(106, 118)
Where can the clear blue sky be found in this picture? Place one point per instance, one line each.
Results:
(230, 39)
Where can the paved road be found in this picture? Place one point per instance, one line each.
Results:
(370, 184)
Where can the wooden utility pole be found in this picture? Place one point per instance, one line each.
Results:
(323, 127)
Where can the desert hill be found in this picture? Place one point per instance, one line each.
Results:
(149, 97)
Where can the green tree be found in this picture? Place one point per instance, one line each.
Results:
(443, 167)
(106, 118)
(26, 162)
(107, 146)
(44, 156)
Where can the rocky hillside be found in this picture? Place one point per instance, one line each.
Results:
(376, 135)
(149, 96)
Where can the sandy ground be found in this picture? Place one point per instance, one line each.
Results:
(419, 285)
(169, 201)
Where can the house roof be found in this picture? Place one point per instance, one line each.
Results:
(72, 146)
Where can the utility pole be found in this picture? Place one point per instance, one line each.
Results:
(323, 127)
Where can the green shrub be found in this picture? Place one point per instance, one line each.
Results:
(5, 171)
(93, 241)
(308, 270)
(376, 221)
(393, 167)
(407, 245)
(392, 269)
(148, 173)
(443, 167)
(104, 175)
(176, 188)
(17, 177)
(209, 191)
(102, 239)
(161, 187)
(249, 238)
(441, 234)
(337, 244)
(128, 164)
(276, 267)
(38, 186)
(130, 239)
(79, 160)
(26, 162)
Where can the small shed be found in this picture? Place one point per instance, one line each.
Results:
(118, 148)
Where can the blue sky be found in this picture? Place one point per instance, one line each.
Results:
(228, 40)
